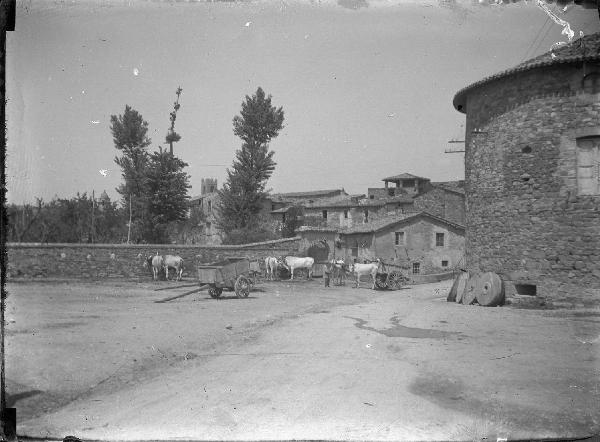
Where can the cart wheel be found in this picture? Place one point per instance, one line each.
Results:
(215, 292)
(242, 287)
(395, 280)
(381, 281)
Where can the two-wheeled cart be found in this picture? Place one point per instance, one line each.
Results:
(235, 274)
(231, 274)
(389, 280)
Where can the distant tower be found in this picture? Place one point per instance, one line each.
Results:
(208, 185)
(104, 199)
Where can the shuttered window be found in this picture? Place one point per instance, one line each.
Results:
(588, 166)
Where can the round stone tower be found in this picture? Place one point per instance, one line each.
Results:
(532, 171)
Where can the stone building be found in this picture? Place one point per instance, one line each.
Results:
(420, 242)
(404, 184)
(206, 204)
(446, 200)
(532, 174)
(352, 210)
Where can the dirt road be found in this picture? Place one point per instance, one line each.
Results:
(296, 360)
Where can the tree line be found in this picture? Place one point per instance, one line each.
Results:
(154, 201)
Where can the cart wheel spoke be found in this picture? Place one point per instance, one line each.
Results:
(215, 292)
(381, 281)
(396, 280)
(242, 287)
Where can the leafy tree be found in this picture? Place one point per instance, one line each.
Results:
(129, 132)
(293, 220)
(240, 199)
(167, 194)
(67, 220)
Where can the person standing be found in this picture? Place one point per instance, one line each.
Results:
(327, 274)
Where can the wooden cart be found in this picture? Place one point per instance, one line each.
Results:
(390, 280)
(231, 273)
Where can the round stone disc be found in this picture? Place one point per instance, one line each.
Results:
(489, 290)
(463, 278)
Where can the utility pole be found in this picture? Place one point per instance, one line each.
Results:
(129, 224)
(93, 203)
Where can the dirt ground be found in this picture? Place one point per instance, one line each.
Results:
(101, 360)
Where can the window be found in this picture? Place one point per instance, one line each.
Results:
(345, 214)
(408, 183)
(399, 240)
(444, 263)
(283, 217)
(591, 83)
(355, 249)
(210, 206)
(324, 214)
(372, 197)
(588, 166)
(272, 206)
(416, 268)
(439, 240)
(366, 215)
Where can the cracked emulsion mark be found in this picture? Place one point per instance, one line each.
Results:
(559, 21)
(400, 331)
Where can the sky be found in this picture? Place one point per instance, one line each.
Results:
(366, 85)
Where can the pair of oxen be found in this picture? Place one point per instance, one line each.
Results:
(340, 269)
(291, 263)
(157, 263)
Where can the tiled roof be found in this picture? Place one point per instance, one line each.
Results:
(389, 220)
(404, 176)
(335, 201)
(582, 49)
(452, 186)
(281, 210)
(309, 194)
(316, 229)
(408, 199)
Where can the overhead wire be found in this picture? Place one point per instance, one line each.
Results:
(534, 40)
(542, 40)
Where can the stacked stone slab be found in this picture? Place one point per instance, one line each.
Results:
(526, 217)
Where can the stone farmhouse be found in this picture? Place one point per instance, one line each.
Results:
(532, 169)
(419, 242)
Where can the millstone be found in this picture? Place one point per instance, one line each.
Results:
(463, 278)
(469, 295)
(489, 290)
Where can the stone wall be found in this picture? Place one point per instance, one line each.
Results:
(443, 203)
(525, 219)
(97, 261)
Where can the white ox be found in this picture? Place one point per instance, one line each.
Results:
(271, 266)
(292, 262)
(155, 263)
(365, 269)
(173, 262)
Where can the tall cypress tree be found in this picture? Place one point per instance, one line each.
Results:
(129, 132)
(240, 199)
